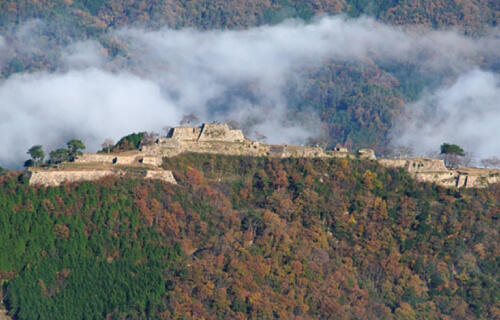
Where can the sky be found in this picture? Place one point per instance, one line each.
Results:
(165, 74)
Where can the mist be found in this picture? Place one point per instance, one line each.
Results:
(242, 75)
(466, 113)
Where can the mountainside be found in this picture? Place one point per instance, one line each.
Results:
(258, 238)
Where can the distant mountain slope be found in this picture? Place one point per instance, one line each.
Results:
(91, 16)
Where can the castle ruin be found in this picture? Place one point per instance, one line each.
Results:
(217, 138)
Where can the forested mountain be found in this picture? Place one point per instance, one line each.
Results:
(243, 237)
(250, 238)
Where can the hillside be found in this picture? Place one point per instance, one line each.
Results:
(259, 238)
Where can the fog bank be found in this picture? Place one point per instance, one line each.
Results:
(157, 76)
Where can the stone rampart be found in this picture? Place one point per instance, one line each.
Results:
(153, 161)
(56, 178)
(163, 175)
(220, 132)
(216, 147)
(368, 154)
(446, 179)
(185, 133)
(96, 158)
(303, 152)
(415, 164)
(125, 159)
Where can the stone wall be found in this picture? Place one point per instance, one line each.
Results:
(125, 159)
(219, 147)
(220, 132)
(96, 158)
(415, 164)
(368, 154)
(185, 133)
(153, 161)
(163, 175)
(445, 179)
(303, 152)
(56, 178)
(477, 179)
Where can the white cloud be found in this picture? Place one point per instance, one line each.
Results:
(90, 105)
(466, 113)
(164, 74)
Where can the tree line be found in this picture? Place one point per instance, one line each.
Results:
(73, 150)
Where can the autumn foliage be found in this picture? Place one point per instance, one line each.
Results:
(251, 238)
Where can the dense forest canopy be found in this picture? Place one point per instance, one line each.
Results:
(251, 238)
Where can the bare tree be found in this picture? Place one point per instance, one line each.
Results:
(433, 154)
(492, 162)
(260, 136)
(189, 119)
(150, 135)
(232, 124)
(468, 159)
(318, 142)
(401, 151)
(108, 144)
(495, 162)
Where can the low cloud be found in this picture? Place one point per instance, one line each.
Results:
(466, 113)
(91, 104)
(245, 75)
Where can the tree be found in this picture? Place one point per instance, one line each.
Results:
(451, 153)
(493, 162)
(468, 160)
(59, 156)
(74, 147)
(401, 151)
(260, 136)
(107, 145)
(447, 148)
(29, 163)
(37, 154)
(232, 124)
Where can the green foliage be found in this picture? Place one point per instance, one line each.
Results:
(37, 154)
(129, 142)
(16, 65)
(59, 155)
(447, 148)
(80, 263)
(351, 238)
(74, 148)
